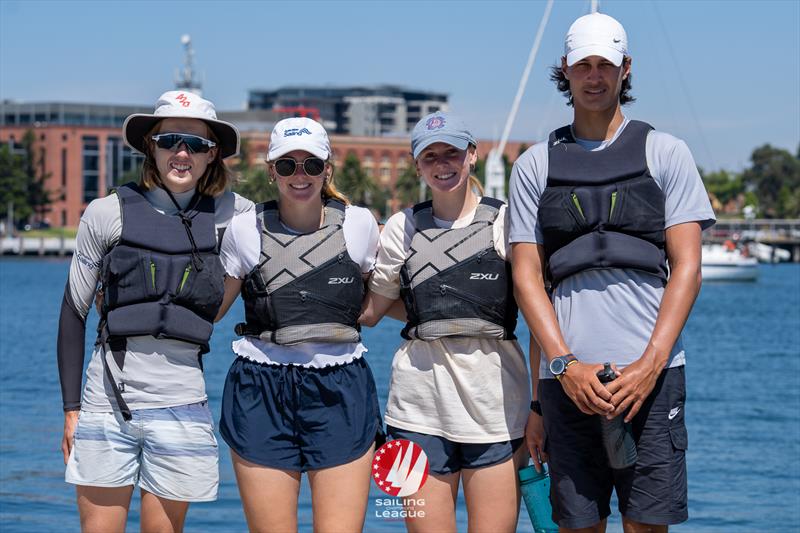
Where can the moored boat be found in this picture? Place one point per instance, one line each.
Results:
(728, 263)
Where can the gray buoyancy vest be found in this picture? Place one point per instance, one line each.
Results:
(164, 278)
(454, 283)
(602, 209)
(306, 287)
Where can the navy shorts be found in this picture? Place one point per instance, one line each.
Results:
(295, 418)
(448, 457)
(653, 491)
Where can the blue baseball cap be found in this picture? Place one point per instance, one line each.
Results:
(440, 127)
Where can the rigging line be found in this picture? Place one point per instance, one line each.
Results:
(683, 85)
(524, 81)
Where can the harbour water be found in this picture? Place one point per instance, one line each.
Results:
(743, 408)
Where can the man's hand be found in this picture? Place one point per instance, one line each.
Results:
(633, 386)
(580, 383)
(70, 423)
(534, 440)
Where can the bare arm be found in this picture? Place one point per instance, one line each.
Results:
(534, 427)
(374, 307)
(233, 287)
(638, 379)
(580, 381)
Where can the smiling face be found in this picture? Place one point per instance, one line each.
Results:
(444, 167)
(299, 187)
(595, 82)
(179, 168)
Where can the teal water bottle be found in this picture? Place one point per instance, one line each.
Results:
(535, 488)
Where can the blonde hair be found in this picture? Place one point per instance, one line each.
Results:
(213, 182)
(476, 184)
(329, 189)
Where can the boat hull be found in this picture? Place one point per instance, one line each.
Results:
(746, 272)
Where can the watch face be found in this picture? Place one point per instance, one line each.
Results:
(557, 366)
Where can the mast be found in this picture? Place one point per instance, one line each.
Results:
(495, 170)
(185, 78)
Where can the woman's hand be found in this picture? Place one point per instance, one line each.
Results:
(534, 439)
(70, 423)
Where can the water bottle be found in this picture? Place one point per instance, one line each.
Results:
(535, 488)
(617, 435)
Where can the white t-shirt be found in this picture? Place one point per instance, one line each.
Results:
(240, 252)
(466, 390)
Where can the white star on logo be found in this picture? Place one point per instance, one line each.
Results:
(377, 474)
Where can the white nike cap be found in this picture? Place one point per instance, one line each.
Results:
(299, 133)
(596, 35)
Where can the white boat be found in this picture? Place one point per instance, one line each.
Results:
(769, 254)
(727, 263)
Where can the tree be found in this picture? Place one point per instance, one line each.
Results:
(723, 185)
(407, 187)
(22, 181)
(774, 177)
(252, 182)
(356, 185)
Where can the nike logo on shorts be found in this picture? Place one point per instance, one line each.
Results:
(673, 412)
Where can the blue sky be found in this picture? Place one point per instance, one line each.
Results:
(724, 76)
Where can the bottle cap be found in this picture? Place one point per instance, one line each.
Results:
(529, 473)
(607, 374)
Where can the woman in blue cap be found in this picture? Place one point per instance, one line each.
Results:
(459, 387)
(300, 396)
(152, 245)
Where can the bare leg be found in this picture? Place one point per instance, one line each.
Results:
(269, 496)
(440, 493)
(160, 515)
(629, 526)
(103, 509)
(492, 495)
(339, 495)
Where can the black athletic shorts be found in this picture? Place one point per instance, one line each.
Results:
(653, 491)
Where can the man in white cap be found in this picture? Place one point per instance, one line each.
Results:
(596, 215)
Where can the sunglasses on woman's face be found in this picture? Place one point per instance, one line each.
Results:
(173, 141)
(312, 166)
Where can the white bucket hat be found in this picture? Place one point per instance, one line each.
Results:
(181, 104)
(299, 133)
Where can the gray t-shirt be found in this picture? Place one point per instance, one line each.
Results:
(157, 372)
(609, 315)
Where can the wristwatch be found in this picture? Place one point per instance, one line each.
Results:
(560, 364)
(536, 407)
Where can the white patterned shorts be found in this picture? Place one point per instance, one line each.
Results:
(170, 452)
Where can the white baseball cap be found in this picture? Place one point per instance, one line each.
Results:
(181, 104)
(596, 35)
(299, 133)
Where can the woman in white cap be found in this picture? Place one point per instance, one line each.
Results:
(300, 396)
(459, 385)
(152, 246)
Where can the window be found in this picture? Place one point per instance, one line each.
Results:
(91, 167)
(64, 168)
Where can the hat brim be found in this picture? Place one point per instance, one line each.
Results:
(613, 55)
(458, 142)
(290, 146)
(136, 127)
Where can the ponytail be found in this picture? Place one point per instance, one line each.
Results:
(329, 189)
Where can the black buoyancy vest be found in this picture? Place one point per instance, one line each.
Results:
(164, 278)
(306, 287)
(454, 283)
(602, 209)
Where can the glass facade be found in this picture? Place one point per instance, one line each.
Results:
(91, 167)
(122, 165)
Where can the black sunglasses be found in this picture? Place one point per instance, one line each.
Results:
(312, 166)
(172, 141)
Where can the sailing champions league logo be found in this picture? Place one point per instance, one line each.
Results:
(400, 468)
(435, 123)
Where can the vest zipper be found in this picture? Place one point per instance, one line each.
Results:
(305, 295)
(153, 274)
(487, 306)
(613, 203)
(578, 205)
(186, 272)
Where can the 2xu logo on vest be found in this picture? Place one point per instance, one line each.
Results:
(481, 276)
(340, 281)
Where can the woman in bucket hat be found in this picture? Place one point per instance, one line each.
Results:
(152, 246)
(300, 397)
(459, 384)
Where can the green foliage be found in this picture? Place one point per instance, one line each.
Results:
(251, 182)
(354, 183)
(774, 177)
(22, 180)
(724, 185)
(407, 187)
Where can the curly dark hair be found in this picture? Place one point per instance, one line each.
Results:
(562, 83)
